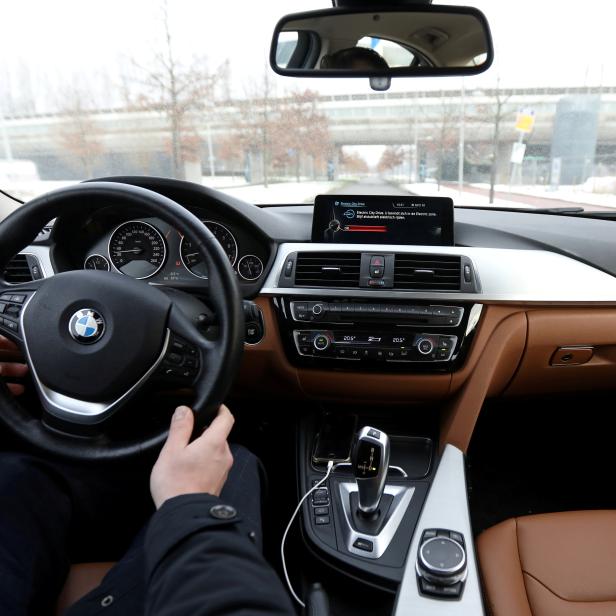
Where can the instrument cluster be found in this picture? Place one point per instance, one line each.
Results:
(150, 249)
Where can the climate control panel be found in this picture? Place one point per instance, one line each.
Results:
(374, 345)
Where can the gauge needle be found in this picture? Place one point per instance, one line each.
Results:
(193, 254)
(135, 250)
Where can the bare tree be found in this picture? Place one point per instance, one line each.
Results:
(178, 90)
(253, 133)
(352, 162)
(494, 113)
(302, 130)
(79, 134)
(447, 135)
(392, 157)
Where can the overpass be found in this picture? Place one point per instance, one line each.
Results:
(399, 118)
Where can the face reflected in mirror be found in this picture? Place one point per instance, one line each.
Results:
(389, 41)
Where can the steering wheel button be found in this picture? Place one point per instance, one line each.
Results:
(18, 299)
(174, 358)
(223, 512)
(11, 325)
(6, 297)
(2, 307)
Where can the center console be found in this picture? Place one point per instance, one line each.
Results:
(391, 514)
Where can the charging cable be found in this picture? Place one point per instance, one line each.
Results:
(330, 468)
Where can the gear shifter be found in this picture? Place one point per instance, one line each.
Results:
(370, 464)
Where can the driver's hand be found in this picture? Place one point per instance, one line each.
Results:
(10, 369)
(198, 467)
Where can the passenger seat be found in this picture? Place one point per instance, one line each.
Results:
(556, 564)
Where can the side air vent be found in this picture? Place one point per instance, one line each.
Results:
(18, 270)
(327, 269)
(427, 272)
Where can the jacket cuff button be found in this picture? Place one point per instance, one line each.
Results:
(223, 512)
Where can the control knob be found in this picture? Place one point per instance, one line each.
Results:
(442, 561)
(425, 346)
(321, 342)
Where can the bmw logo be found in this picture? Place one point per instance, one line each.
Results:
(86, 326)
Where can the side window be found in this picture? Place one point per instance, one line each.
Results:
(287, 44)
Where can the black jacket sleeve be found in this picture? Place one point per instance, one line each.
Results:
(198, 564)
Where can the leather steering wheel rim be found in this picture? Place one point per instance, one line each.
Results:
(219, 359)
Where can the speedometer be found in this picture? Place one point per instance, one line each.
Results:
(193, 259)
(137, 249)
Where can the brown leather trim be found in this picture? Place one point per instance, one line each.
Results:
(546, 603)
(368, 388)
(264, 368)
(501, 571)
(494, 357)
(556, 564)
(557, 327)
(81, 580)
(573, 553)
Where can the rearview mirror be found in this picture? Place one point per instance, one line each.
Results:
(409, 41)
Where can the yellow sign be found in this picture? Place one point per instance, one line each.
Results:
(525, 121)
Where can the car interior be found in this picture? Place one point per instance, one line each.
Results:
(430, 384)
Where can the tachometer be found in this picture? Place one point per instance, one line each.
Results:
(96, 262)
(193, 260)
(137, 249)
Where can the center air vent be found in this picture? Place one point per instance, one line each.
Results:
(327, 269)
(18, 270)
(424, 271)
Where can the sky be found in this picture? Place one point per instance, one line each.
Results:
(549, 43)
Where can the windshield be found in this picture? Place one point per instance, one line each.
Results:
(182, 89)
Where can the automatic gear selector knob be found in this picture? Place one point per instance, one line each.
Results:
(370, 465)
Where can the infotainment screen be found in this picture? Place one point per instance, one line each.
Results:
(354, 219)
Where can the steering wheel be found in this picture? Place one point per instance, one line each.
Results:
(94, 339)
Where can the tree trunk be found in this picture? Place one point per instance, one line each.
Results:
(495, 140)
(264, 156)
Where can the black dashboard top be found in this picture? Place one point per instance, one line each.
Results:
(590, 241)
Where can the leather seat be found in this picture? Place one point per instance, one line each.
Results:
(557, 564)
(80, 581)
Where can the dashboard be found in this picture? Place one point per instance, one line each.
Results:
(530, 306)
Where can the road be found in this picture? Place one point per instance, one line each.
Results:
(530, 201)
(372, 186)
(379, 186)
